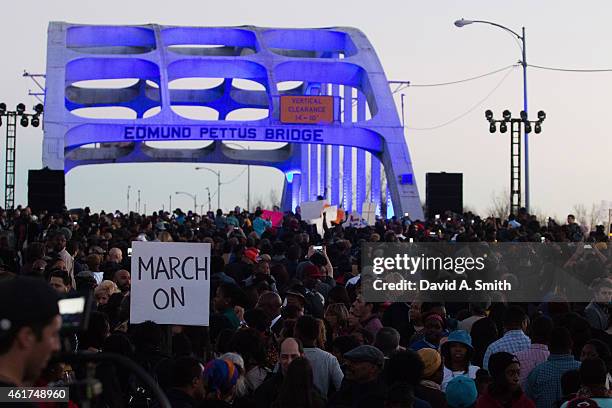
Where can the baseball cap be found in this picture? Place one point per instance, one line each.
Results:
(313, 271)
(25, 301)
(251, 253)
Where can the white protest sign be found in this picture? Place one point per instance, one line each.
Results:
(312, 210)
(331, 213)
(170, 283)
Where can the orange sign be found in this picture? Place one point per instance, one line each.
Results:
(307, 109)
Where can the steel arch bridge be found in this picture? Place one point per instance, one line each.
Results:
(358, 155)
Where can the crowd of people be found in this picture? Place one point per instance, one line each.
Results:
(289, 325)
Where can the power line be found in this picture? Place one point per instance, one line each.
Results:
(235, 178)
(460, 81)
(480, 102)
(569, 69)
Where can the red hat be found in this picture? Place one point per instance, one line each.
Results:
(311, 270)
(252, 254)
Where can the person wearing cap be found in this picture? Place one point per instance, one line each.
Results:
(242, 266)
(433, 332)
(312, 281)
(544, 381)
(429, 388)
(457, 353)
(505, 390)
(363, 385)
(29, 329)
(461, 392)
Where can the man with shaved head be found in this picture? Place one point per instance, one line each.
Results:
(113, 263)
(290, 349)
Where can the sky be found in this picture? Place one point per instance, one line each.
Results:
(416, 41)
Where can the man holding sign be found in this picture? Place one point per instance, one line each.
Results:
(170, 283)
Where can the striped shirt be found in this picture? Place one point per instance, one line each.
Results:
(512, 342)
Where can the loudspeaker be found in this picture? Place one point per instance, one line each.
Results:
(444, 192)
(46, 190)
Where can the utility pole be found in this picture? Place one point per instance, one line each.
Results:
(138, 202)
(208, 191)
(128, 199)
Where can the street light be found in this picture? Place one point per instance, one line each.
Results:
(464, 22)
(248, 174)
(218, 174)
(195, 200)
(208, 191)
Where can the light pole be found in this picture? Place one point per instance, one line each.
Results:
(218, 174)
(463, 22)
(195, 200)
(248, 174)
(10, 147)
(515, 147)
(128, 199)
(208, 191)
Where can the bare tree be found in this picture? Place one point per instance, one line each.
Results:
(500, 205)
(581, 214)
(274, 197)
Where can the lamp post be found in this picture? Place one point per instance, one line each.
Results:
(128, 199)
(218, 174)
(208, 191)
(248, 174)
(195, 200)
(463, 22)
(11, 144)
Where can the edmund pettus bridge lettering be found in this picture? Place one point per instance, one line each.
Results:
(223, 133)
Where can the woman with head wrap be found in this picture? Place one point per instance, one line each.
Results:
(505, 391)
(220, 378)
